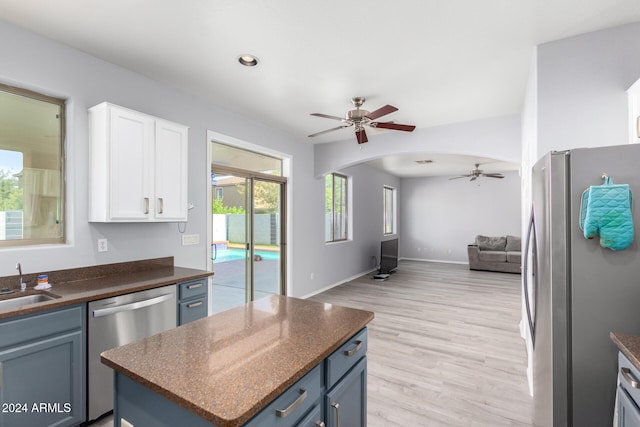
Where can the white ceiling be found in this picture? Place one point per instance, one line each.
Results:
(438, 61)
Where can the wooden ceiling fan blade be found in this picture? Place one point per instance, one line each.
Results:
(328, 130)
(394, 126)
(361, 136)
(387, 109)
(327, 116)
(458, 177)
(493, 175)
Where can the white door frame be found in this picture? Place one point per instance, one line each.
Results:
(287, 171)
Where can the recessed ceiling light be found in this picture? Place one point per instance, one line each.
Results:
(248, 60)
(423, 162)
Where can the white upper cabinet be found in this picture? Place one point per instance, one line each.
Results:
(138, 167)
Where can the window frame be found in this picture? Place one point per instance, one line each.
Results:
(385, 220)
(62, 104)
(345, 235)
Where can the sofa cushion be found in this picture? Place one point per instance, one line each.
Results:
(492, 256)
(486, 243)
(513, 244)
(514, 256)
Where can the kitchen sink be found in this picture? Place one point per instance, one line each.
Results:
(24, 300)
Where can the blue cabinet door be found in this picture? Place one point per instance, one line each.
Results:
(192, 301)
(628, 412)
(42, 369)
(346, 402)
(42, 382)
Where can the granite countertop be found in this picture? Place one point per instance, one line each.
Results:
(629, 345)
(227, 367)
(97, 282)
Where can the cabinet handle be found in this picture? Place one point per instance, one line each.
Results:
(626, 373)
(320, 423)
(195, 304)
(638, 127)
(336, 406)
(161, 202)
(146, 205)
(195, 285)
(283, 413)
(354, 350)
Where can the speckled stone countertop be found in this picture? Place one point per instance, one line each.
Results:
(78, 285)
(629, 345)
(227, 367)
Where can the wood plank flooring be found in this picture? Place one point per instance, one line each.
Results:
(444, 348)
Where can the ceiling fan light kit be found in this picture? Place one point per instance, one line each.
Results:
(361, 118)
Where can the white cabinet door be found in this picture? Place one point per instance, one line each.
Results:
(130, 174)
(170, 171)
(138, 167)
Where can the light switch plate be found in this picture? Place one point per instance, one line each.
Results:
(190, 239)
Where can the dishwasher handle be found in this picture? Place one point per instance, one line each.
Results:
(132, 306)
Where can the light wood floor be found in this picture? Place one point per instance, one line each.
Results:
(444, 348)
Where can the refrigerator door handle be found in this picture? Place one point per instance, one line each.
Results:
(531, 231)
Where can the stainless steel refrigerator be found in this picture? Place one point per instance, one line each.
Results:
(578, 292)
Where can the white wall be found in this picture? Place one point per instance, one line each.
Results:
(582, 83)
(440, 217)
(344, 260)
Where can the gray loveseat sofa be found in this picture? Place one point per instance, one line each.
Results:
(495, 254)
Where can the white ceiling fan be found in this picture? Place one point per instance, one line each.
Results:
(477, 173)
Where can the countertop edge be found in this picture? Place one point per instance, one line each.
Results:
(107, 291)
(629, 345)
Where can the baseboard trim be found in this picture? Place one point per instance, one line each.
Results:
(435, 260)
(326, 288)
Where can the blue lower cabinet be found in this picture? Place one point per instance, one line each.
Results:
(346, 403)
(192, 301)
(43, 369)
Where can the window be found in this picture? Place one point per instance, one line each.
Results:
(389, 210)
(31, 168)
(336, 212)
(219, 193)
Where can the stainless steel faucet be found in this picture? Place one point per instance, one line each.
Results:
(23, 285)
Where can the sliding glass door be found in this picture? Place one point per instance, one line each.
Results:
(247, 245)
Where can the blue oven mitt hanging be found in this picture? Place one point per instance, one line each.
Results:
(606, 210)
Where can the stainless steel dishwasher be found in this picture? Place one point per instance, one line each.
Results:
(120, 320)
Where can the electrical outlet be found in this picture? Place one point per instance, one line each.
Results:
(102, 245)
(190, 239)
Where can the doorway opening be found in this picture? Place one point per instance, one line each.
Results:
(247, 225)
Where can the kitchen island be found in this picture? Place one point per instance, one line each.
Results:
(278, 361)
